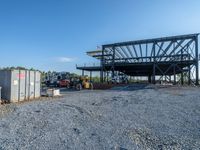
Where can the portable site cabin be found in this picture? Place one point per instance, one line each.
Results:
(20, 85)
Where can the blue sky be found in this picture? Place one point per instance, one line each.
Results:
(55, 34)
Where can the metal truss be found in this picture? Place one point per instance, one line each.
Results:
(159, 59)
(168, 56)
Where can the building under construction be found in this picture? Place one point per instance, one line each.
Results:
(173, 59)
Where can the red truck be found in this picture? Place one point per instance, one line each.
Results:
(64, 83)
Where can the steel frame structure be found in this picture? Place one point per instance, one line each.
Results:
(175, 56)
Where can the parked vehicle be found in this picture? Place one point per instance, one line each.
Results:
(81, 83)
(57, 79)
(64, 83)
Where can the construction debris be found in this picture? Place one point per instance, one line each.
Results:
(53, 92)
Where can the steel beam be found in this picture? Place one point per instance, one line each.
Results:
(140, 50)
(160, 48)
(130, 58)
(174, 49)
(135, 50)
(165, 51)
(130, 51)
(165, 39)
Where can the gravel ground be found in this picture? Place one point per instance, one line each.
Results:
(134, 117)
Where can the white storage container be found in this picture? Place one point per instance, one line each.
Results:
(20, 85)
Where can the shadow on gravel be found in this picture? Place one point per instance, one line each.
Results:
(67, 90)
(61, 89)
(134, 87)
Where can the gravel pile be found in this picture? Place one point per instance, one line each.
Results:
(133, 117)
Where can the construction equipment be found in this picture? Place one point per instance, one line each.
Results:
(57, 79)
(64, 83)
(81, 83)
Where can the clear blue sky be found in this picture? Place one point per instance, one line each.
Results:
(55, 34)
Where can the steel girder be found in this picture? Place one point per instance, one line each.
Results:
(157, 51)
(166, 57)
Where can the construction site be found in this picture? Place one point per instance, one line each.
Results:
(99, 75)
(69, 111)
(160, 59)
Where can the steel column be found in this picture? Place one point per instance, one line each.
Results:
(197, 60)
(83, 73)
(170, 79)
(182, 80)
(113, 62)
(189, 75)
(90, 76)
(154, 64)
(102, 65)
(174, 74)
(107, 76)
(149, 78)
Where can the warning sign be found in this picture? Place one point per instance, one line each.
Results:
(21, 76)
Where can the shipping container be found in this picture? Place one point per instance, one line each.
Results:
(20, 85)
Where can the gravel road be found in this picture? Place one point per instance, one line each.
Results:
(134, 117)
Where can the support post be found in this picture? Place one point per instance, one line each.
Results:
(154, 74)
(90, 76)
(170, 78)
(113, 62)
(107, 76)
(102, 65)
(104, 79)
(197, 60)
(182, 80)
(83, 73)
(149, 78)
(174, 75)
(189, 75)
(101, 76)
(154, 64)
